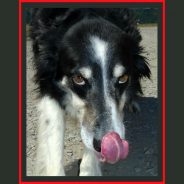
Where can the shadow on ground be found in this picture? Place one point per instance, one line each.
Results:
(141, 132)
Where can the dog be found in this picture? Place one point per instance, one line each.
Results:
(89, 66)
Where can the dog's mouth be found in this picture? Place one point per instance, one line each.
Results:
(112, 148)
(97, 145)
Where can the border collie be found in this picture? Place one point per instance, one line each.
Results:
(88, 66)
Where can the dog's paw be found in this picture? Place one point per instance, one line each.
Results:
(134, 107)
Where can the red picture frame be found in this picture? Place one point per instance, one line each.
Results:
(163, 2)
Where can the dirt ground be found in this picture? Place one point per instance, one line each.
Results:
(141, 128)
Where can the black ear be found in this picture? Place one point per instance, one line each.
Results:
(140, 70)
(130, 45)
(47, 18)
(141, 67)
(46, 23)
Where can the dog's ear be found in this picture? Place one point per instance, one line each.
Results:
(48, 18)
(141, 66)
(130, 45)
(140, 69)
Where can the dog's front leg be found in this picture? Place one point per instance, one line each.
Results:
(90, 165)
(49, 160)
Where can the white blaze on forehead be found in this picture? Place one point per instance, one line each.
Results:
(100, 48)
(86, 72)
(118, 70)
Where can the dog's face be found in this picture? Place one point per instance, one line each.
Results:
(96, 72)
(90, 62)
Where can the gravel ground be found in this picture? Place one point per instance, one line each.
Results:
(141, 128)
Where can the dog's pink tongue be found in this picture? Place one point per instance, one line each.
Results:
(113, 148)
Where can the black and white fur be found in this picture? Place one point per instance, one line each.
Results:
(96, 48)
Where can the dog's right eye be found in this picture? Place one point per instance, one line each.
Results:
(78, 79)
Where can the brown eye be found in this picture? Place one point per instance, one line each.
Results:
(123, 79)
(78, 79)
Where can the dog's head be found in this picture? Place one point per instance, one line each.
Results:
(98, 66)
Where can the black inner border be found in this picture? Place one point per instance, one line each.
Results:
(91, 178)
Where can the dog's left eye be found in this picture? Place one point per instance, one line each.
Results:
(123, 79)
(78, 79)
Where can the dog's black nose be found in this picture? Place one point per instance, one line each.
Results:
(97, 145)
